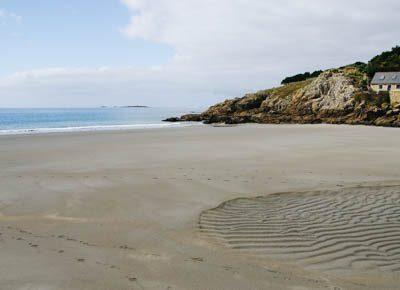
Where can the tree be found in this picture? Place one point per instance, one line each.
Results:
(386, 61)
(301, 77)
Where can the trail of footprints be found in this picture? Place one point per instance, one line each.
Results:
(34, 240)
(355, 228)
(38, 243)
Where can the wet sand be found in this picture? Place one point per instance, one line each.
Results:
(125, 210)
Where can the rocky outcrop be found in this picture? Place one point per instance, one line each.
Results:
(329, 95)
(185, 118)
(334, 97)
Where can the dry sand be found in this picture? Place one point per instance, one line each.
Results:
(121, 210)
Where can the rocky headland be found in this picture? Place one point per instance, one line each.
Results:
(335, 96)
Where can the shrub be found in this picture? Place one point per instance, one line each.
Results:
(372, 98)
(364, 84)
(301, 77)
(359, 78)
(287, 90)
(358, 65)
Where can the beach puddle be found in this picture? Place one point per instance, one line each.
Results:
(353, 228)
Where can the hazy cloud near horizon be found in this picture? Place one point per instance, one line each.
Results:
(223, 48)
(6, 16)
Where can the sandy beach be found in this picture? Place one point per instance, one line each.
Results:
(176, 208)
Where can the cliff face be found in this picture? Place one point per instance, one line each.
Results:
(333, 97)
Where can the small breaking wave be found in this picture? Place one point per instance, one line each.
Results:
(94, 128)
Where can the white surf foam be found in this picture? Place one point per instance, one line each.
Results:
(95, 128)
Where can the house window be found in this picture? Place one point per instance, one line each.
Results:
(398, 87)
(389, 87)
(380, 87)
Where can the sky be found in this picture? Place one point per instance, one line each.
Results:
(185, 53)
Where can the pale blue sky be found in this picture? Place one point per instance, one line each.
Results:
(73, 33)
(79, 53)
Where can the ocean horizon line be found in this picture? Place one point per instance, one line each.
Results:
(43, 120)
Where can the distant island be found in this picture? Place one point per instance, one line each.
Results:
(345, 95)
(134, 106)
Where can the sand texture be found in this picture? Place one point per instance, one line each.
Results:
(140, 209)
(325, 230)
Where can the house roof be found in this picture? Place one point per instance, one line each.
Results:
(381, 78)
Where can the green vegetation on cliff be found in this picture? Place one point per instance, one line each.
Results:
(301, 77)
(288, 89)
(386, 61)
(372, 99)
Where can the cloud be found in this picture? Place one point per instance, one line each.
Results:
(282, 35)
(154, 86)
(223, 48)
(5, 16)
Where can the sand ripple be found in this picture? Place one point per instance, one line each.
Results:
(349, 228)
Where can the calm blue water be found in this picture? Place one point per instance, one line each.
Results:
(13, 121)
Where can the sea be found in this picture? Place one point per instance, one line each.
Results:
(47, 120)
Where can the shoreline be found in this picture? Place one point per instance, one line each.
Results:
(188, 120)
(175, 125)
(95, 128)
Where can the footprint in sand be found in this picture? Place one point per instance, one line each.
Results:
(197, 259)
(125, 247)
